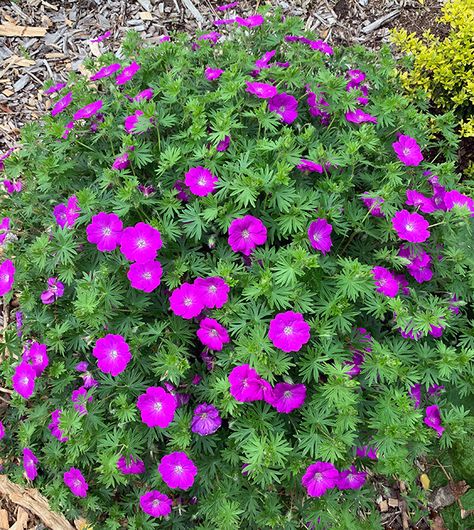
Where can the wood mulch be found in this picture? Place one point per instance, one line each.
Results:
(41, 40)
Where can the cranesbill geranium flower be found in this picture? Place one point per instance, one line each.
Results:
(319, 233)
(132, 120)
(309, 165)
(145, 276)
(359, 116)
(223, 145)
(106, 71)
(121, 162)
(212, 334)
(320, 477)
(55, 88)
(12, 187)
(200, 181)
(227, 6)
(54, 426)
(385, 281)
(407, 150)
(433, 419)
(80, 400)
(157, 407)
(7, 276)
(177, 470)
(287, 397)
(102, 37)
(140, 243)
(261, 90)
(250, 22)
(113, 354)
(156, 504)
(186, 301)
(415, 198)
(54, 291)
(36, 356)
(245, 233)
(411, 227)
(321, 46)
(4, 228)
(351, 479)
(206, 420)
(246, 384)
(213, 73)
(24, 380)
(2, 431)
(454, 198)
(415, 394)
(214, 292)
(373, 205)
(436, 331)
(127, 73)
(285, 105)
(88, 111)
(366, 451)
(76, 482)
(265, 59)
(132, 467)
(29, 463)
(62, 104)
(289, 331)
(105, 230)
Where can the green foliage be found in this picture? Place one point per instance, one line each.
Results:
(335, 292)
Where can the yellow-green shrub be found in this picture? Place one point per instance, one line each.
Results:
(444, 68)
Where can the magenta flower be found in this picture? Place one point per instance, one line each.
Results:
(289, 331)
(145, 276)
(200, 181)
(265, 59)
(436, 331)
(55, 88)
(321, 46)
(286, 397)
(411, 227)
(4, 228)
(435, 390)
(177, 470)
(105, 230)
(206, 420)
(54, 291)
(62, 104)
(66, 214)
(309, 165)
(24, 380)
(285, 105)
(214, 292)
(320, 477)
(2, 431)
(127, 73)
(415, 198)
(245, 233)
(261, 90)
(80, 400)
(213, 37)
(121, 162)
(146, 95)
(407, 150)
(156, 504)
(186, 301)
(245, 384)
(419, 263)
(433, 419)
(366, 451)
(29, 464)
(7, 276)
(88, 111)
(213, 73)
(223, 145)
(212, 334)
(68, 129)
(106, 71)
(133, 467)
(454, 199)
(102, 37)
(113, 354)
(415, 394)
(157, 407)
(373, 204)
(227, 6)
(36, 356)
(356, 77)
(385, 281)
(12, 187)
(54, 426)
(132, 120)
(76, 482)
(351, 479)
(140, 243)
(250, 22)
(146, 190)
(223, 21)
(319, 233)
(359, 116)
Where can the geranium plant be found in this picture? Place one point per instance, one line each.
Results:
(242, 268)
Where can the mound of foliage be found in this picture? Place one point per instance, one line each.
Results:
(243, 268)
(444, 67)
